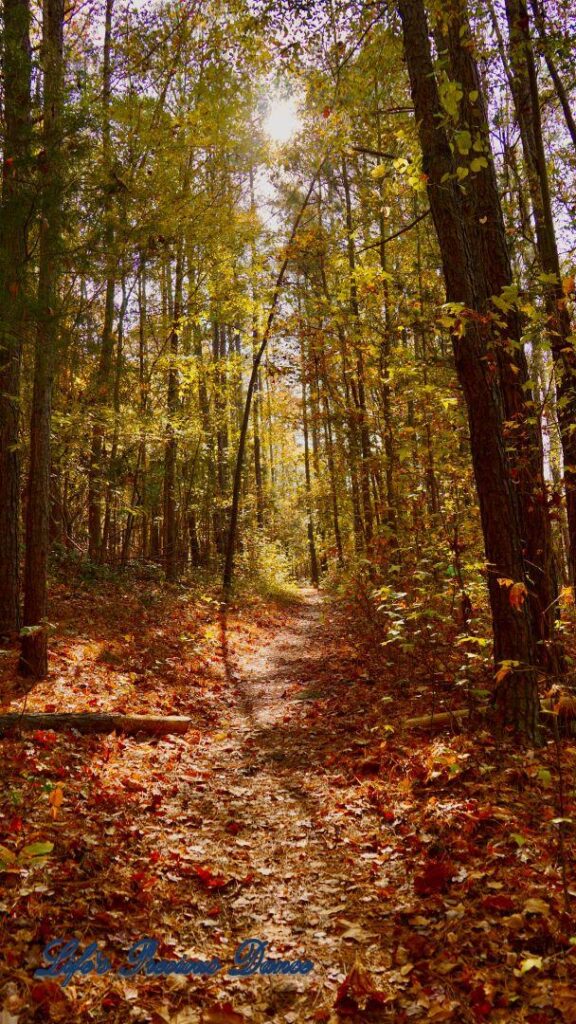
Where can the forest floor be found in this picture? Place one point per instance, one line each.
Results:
(420, 873)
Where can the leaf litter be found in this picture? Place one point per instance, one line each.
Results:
(420, 873)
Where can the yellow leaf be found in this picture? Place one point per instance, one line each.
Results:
(568, 285)
(530, 963)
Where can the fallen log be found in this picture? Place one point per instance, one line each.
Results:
(439, 719)
(88, 722)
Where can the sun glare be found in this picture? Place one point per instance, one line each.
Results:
(282, 120)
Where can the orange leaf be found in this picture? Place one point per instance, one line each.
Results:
(55, 799)
(517, 595)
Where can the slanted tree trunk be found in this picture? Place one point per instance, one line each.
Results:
(34, 651)
(15, 205)
(514, 642)
(538, 11)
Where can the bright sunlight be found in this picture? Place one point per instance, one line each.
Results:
(282, 120)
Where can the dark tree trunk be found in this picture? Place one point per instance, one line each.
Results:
(34, 652)
(514, 644)
(15, 208)
(522, 432)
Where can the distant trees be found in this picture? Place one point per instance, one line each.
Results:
(238, 352)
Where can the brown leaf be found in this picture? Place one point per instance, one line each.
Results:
(222, 1013)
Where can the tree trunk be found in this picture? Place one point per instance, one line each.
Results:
(521, 430)
(314, 575)
(514, 646)
(34, 651)
(15, 207)
(103, 382)
(171, 444)
(527, 103)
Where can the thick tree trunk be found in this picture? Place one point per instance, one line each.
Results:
(15, 206)
(494, 272)
(514, 644)
(34, 652)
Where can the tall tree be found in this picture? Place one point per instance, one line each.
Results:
(514, 641)
(34, 651)
(524, 84)
(15, 213)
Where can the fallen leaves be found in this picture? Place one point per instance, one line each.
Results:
(358, 992)
(426, 857)
(435, 877)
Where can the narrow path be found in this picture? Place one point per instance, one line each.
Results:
(313, 894)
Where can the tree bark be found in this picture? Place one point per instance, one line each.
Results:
(514, 645)
(15, 209)
(522, 432)
(34, 650)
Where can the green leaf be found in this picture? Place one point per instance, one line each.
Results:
(463, 142)
(545, 776)
(36, 850)
(6, 856)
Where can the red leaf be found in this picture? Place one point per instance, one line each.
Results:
(210, 880)
(434, 878)
(42, 991)
(326, 112)
(357, 992)
(45, 737)
(498, 902)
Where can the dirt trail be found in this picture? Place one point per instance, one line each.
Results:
(244, 828)
(310, 899)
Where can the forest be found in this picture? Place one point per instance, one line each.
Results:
(287, 511)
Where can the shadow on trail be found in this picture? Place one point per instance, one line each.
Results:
(290, 748)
